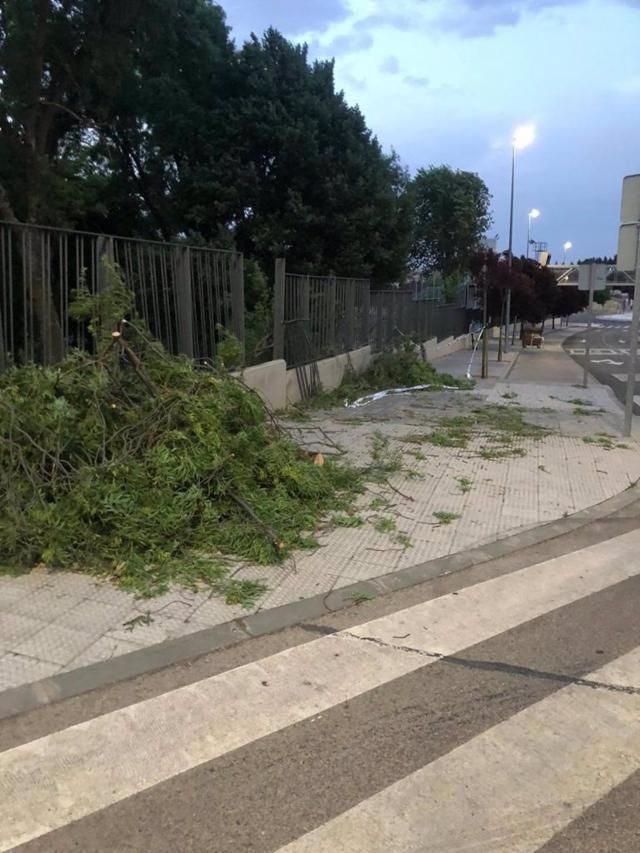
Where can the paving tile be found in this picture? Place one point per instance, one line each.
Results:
(15, 628)
(46, 604)
(12, 591)
(55, 644)
(94, 617)
(103, 649)
(17, 669)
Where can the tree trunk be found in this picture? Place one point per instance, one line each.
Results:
(44, 310)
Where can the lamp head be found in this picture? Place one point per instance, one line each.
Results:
(523, 136)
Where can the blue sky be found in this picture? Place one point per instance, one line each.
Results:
(446, 81)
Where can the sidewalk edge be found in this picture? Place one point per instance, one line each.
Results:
(27, 697)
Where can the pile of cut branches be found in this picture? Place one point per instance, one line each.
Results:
(130, 462)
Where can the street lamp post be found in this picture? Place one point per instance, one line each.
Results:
(566, 246)
(533, 214)
(523, 136)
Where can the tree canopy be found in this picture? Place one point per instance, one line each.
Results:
(140, 117)
(535, 293)
(451, 215)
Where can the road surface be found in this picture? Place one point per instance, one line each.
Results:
(494, 710)
(609, 355)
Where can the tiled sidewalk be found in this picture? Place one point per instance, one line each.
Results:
(55, 622)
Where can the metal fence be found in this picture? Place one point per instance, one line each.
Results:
(396, 313)
(318, 316)
(183, 293)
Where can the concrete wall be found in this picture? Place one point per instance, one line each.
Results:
(279, 387)
(330, 371)
(270, 381)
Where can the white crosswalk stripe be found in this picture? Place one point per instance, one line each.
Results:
(47, 783)
(567, 751)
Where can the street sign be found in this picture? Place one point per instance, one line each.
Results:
(629, 219)
(599, 273)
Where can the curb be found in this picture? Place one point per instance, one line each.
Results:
(27, 697)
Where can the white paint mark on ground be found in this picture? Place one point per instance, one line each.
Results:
(49, 782)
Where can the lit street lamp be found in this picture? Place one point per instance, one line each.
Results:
(533, 214)
(523, 136)
(568, 245)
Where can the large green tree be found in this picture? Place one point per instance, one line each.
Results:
(451, 215)
(323, 193)
(103, 106)
(139, 117)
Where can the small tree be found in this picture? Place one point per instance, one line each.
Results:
(451, 215)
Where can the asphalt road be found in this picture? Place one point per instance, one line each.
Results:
(494, 710)
(609, 355)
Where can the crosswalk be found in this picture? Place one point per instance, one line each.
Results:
(507, 724)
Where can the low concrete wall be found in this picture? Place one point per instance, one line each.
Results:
(270, 381)
(280, 388)
(434, 348)
(330, 371)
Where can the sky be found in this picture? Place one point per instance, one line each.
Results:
(447, 81)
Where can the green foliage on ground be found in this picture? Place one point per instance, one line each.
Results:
(133, 464)
(499, 424)
(400, 368)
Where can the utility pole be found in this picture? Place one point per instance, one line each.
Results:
(510, 261)
(587, 358)
(485, 344)
(633, 343)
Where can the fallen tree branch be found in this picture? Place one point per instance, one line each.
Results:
(268, 532)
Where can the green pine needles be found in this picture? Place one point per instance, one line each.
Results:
(130, 463)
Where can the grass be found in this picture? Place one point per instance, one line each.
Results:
(385, 460)
(417, 454)
(402, 538)
(384, 525)
(359, 597)
(583, 413)
(499, 424)
(492, 453)
(605, 441)
(243, 592)
(464, 484)
(445, 518)
(379, 503)
(346, 520)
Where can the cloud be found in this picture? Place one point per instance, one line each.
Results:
(347, 43)
(418, 82)
(393, 20)
(390, 65)
(353, 82)
(478, 18)
(291, 18)
(630, 86)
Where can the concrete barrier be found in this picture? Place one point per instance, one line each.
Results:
(330, 372)
(270, 381)
(279, 387)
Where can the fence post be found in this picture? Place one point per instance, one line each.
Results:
(237, 296)
(184, 301)
(3, 349)
(365, 307)
(104, 250)
(331, 319)
(350, 310)
(278, 308)
(379, 306)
